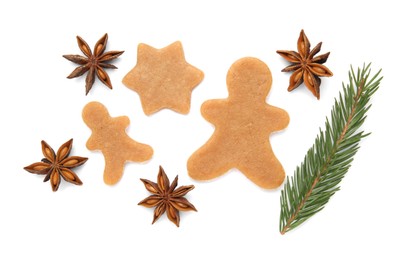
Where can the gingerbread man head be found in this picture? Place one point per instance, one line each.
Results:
(249, 79)
(94, 114)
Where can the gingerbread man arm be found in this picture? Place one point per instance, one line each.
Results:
(211, 110)
(121, 121)
(91, 143)
(279, 118)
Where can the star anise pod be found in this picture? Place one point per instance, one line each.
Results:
(56, 165)
(166, 198)
(94, 63)
(306, 67)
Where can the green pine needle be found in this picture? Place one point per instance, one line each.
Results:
(328, 160)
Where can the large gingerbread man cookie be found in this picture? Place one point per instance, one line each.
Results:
(109, 136)
(243, 123)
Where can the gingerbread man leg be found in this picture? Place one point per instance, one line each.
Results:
(139, 152)
(207, 163)
(263, 169)
(114, 165)
(114, 169)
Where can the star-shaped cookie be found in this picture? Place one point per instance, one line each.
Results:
(163, 78)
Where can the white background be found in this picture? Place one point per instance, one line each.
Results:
(235, 218)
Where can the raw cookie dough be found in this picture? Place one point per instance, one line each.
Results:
(243, 123)
(163, 78)
(109, 136)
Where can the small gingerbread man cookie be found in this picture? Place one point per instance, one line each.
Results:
(243, 123)
(109, 136)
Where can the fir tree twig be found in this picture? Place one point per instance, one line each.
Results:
(328, 160)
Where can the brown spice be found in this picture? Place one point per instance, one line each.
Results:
(56, 165)
(306, 67)
(94, 63)
(166, 198)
